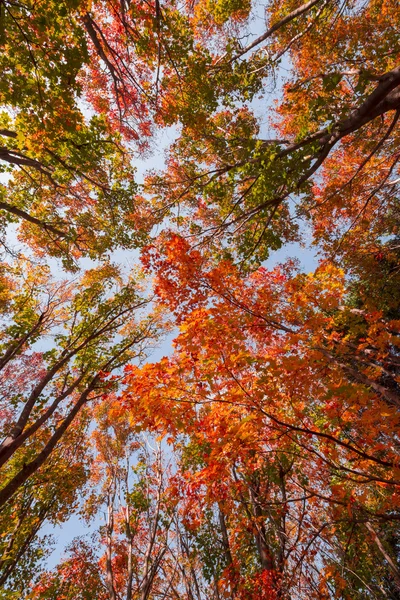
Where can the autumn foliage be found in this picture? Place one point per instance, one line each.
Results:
(255, 456)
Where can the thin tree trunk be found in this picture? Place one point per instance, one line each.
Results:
(392, 566)
(110, 531)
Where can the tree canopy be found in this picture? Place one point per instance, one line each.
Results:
(259, 458)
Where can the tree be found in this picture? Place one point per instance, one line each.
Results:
(339, 106)
(130, 487)
(50, 496)
(76, 577)
(96, 332)
(70, 178)
(84, 85)
(290, 434)
(133, 475)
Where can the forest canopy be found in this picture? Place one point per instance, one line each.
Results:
(256, 456)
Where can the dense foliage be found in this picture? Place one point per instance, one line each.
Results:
(260, 459)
